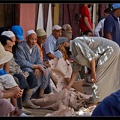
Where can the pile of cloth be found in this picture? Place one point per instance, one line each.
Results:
(64, 102)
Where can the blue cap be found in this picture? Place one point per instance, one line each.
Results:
(116, 6)
(18, 31)
(61, 40)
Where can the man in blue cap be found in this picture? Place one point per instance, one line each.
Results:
(18, 31)
(112, 25)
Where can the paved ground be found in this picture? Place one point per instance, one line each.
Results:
(43, 112)
(39, 112)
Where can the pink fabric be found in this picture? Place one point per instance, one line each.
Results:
(60, 72)
(64, 102)
(65, 97)
(1, 94)
(5, 106)
(63, 111)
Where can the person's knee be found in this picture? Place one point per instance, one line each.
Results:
(5, 102)
(32, 80)
(31, 75)
(16, 80)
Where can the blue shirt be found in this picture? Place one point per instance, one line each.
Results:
(25, 59)
(2, 72)
(110, 106)
(49, 46)
(111, 24)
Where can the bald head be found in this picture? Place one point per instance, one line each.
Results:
(67, 31)
(67, 27)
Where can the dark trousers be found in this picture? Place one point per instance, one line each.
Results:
(32, 81)
(19, 100)
(25, 84)
(22, 81)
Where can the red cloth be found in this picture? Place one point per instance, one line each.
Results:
(85, 13)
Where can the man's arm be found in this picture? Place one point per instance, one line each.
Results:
(73, 78)
(6, 67)
(49, 48)
(13, 92)
(87, 24)
(93, 72)
(108, 35)
(51, 56)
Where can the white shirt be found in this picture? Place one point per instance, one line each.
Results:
(30, 49)
(99, 27)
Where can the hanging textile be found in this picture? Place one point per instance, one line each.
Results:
(40, 17)
(49, 21)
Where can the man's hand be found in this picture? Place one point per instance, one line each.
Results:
(17, 92)
(37, 73)
(43, 70)
(46, 64)
(23, 75)
(93, 77)
(66, 87)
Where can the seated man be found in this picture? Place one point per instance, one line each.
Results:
(6, 108)
(67, 32)
(50, 44)
(66, 28)
(41, 38)
(28, 57)
(4, 103)
(7, 81)
(26, 81)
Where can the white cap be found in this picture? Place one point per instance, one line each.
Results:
(56, 27)
(30, 32)
(8, 34)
